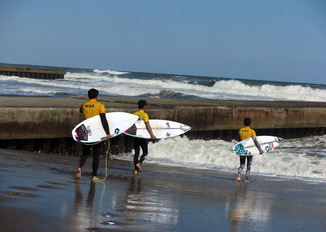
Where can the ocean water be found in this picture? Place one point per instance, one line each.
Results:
(303, 158)
(116, 83)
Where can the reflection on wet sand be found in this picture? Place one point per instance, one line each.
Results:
(162, 199)
(250, 206)
(141, 208)
(147, 205)
(84, 217)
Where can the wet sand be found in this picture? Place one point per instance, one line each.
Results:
(38, 192)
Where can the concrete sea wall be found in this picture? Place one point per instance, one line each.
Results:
(38, 73)
(45, 124)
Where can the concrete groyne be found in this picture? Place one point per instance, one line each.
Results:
(45, 124)
(38, 73)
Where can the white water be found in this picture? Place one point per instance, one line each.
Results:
(268, 91)
(304, 158)
(114, 83)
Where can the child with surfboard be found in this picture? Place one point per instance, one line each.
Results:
(91, 109)
(245, 133)
(140, 142)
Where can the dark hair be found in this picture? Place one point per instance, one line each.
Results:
(247, 121)
(92, 93)
(141, 104)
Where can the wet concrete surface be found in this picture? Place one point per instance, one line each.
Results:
(38, 192)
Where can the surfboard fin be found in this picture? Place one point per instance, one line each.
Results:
(132, 130)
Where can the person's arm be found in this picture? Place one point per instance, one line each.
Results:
(81, 108)
(105, 126)
(107, 130)
(150, 131)
(257, 145)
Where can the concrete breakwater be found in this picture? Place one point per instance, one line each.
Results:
(32, 72)
(45, 124)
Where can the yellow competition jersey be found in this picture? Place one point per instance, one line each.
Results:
(246, 133)
(92, 108)
(142, 115)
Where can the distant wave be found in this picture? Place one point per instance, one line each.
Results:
(171, 94)
(288, 92)
(109, 72)
(114, 83)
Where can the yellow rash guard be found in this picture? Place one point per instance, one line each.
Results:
(142, 115)
(246, 133)
(92, 108)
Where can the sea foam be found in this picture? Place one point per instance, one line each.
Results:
(293, 158)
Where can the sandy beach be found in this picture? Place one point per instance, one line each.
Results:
(39, 193)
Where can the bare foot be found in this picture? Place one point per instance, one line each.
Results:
(238, 178)
(246, 180)
(78, 174)
(138, 167)
(95, 178)
(136, 172)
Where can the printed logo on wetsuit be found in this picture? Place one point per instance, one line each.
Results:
(90, 106)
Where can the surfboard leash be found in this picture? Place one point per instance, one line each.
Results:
(106, 162)
(106, 157)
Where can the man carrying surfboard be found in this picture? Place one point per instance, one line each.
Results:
(91, 109)
(246, 133)
(140, 142)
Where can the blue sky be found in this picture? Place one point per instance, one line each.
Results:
(281, 40)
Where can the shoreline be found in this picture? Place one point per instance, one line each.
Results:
(39, 192)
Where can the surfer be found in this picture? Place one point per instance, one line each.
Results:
(91, 109)
(246, 133)
(140, 142)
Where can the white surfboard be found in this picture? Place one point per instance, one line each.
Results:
(91, 129)
(247, 147)
(162, 129)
